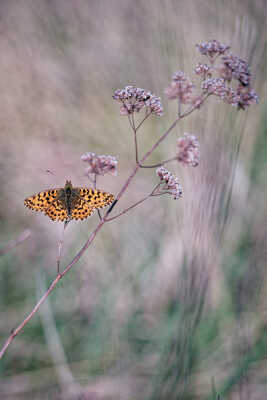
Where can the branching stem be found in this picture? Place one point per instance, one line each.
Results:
(128, 208)
(92, 236)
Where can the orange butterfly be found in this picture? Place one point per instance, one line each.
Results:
(64, 204)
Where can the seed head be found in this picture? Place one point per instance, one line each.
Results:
(170, 184)
(100, 165)
(188, 150)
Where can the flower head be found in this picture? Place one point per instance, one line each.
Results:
(242, 97)
(181, 88)
(212, 48)
(238, 69)
(188, 150)
(231, 67)
(100, 165)
(203, 70)
(215, 86)
(133, 99)
(169, 183)
(232, 97)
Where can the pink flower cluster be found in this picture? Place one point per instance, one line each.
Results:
(181, 88)
(237, 69)
(242, 96)
(212, 49)
(231, 68)
(203, 70)
(134, 99)
(188, 150)
(100, 165)
(214, 86)
(169, 183)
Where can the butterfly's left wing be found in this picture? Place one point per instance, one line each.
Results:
(42, 201)
(94, 197)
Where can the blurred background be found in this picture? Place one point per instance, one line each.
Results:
(173, 308)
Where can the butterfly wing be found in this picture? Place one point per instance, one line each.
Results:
(42, 201)
(84, 202)
(81, 210)
(57, 211)
(95, 198)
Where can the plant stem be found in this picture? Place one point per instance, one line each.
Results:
(15, 242)
(98, 212)
(16, 331)
(128, 209)
(143, 120)
(159, 164)
(60, 245)
(92, 236)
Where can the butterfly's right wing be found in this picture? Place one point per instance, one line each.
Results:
(57, 211)
(95, 198)
(87, 200)
(81, 210)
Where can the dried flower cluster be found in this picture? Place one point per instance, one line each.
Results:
(181, 88)
(134, 99)
(231, 68)
(188, 150)
(100, 165)
(169, 183)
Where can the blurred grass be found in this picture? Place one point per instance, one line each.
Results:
(173, 308)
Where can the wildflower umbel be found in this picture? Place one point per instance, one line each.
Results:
(100, 165)
(169, 184)
(231, 68)
(134, 99)
(188, 150)
(181, 88)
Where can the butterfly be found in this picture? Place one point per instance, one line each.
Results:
(64, 204)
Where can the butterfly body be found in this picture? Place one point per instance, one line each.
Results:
(68, 197)
(63, 204)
